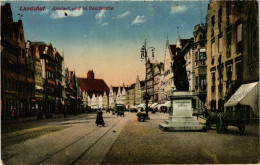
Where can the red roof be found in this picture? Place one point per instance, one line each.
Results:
(93, 85)
(41, 48)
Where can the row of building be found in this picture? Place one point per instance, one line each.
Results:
(222, 55)
(34, 80)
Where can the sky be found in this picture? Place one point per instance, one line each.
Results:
(109, 41)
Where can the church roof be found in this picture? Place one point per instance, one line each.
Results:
(93, 85)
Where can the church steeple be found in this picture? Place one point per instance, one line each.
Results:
(178, 44)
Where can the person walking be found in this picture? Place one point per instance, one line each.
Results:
(99, 119)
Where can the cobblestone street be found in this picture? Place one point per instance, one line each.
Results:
(77, 140)
(143, 142)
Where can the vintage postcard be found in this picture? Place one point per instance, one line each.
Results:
(130, 82)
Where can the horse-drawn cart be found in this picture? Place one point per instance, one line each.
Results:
(224, 119)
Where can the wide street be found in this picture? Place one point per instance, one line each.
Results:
(77, 140)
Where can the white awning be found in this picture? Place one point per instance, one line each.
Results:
(153, 105)
(159, 105)
(167, 104)
(38, 87)
(141, 105)
(246, 94)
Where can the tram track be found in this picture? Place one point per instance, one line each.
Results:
(84, 153)
(77, 140)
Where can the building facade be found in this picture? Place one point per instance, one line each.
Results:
(158, 70)
(168, 82)
(9, 64)
(150, 80)
(232, 49)
(38, 77)
(200, 67)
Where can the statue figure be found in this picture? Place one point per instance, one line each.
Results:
(179, 70)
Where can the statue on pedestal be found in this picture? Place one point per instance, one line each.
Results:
(179, 70)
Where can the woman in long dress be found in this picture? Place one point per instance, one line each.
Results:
(99, 119)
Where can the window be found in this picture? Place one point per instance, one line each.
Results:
(219, 18)
(196, 56)
(239, 71)
(228, 8)
(21, 39)
(220, 15)
(213, 49)
(202, 55)
(213, 78)
(220, 44)
(200, 36)
(213, 20)
(239, 32)
(229, 44)
(229, 73)
(203, 80)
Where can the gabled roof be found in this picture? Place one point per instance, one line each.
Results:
(17, 26)
(38, 43)
(41, 46)
(6, 14)
(93, 85)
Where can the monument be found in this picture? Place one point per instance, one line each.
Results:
(181, 118)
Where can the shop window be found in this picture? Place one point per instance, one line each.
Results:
(221, 105)
(213, 105)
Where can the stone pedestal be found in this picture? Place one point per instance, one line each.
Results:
(181, 118)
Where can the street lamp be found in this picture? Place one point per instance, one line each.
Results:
(144, 51)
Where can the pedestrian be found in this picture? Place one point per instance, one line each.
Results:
(99, 119)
